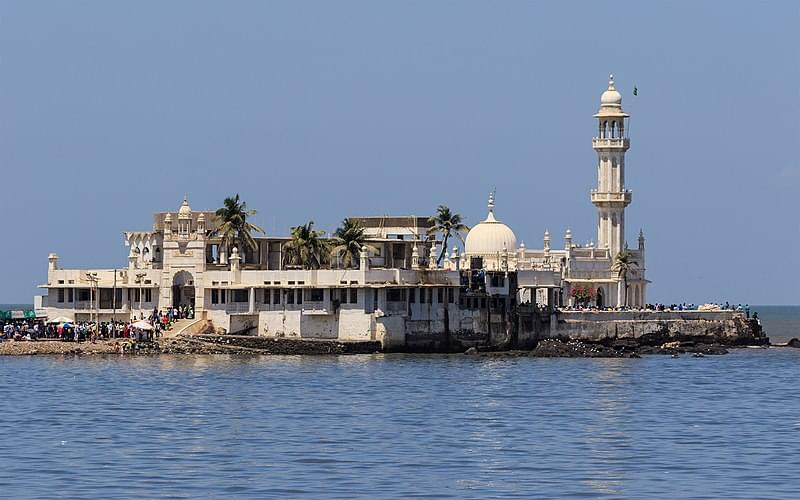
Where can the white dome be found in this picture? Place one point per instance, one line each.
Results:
(185, 208)
(490, 236)
(611, 97)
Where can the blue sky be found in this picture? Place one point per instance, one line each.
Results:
(110, 111)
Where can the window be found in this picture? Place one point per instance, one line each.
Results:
(412, 296)
(276, 296)
(61, 295)
(396, 295)
(498, 281)
(222, 296)
(354, 295)
(148, 295)
(429, 293)
(265, 296)
(300, 295)
(440, 295)
(118, 297)
(83, 294)
(290, 296)
(451, 295)
(71, 295)
(215, 296)
(240, 296)
(314, 294)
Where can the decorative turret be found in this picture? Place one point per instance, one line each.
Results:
(641, 240)
(133, 257)
(568, 240)
(235, 260)
(546, 241)
(415, 256)
(168, 225)
(432, 256)
(201, 225)
(455, 258)
(52, 262)
(521, 251)
(364, 258)
(184, 219)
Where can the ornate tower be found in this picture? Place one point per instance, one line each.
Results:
(611, 197)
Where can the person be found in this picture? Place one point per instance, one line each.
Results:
(747, 310)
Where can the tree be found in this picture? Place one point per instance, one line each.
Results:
(623, 264)
(348, 241)
(307, 248)
(448, 224)
(233, 226)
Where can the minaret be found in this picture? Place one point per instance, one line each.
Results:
(611, 197)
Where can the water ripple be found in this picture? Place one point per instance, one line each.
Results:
(388, 426)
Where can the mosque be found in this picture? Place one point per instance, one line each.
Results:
(398, 293)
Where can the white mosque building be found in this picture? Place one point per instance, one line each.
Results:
(397, 292)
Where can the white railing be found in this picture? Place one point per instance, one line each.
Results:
(610, 142)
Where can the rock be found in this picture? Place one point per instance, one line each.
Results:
(795, 342)
(471, 351)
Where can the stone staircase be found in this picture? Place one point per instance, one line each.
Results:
(177, 328)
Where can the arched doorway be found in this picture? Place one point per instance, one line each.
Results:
(183, 289)
(600, 299)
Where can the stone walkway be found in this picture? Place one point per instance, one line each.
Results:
(176, 328)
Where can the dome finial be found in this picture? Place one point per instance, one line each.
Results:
(611, 82)
(491, 200)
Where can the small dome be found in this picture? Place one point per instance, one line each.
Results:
(185, 208)
(490, 236)
(611, 98)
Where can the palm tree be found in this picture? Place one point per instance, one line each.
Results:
(448, 224)
(623, 264)
(233, 226)
(307, 248)
(348, 240)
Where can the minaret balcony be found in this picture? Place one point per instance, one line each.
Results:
(613, 198)
(618, 142)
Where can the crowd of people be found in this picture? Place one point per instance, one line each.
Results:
(664, 307)
(81, 331)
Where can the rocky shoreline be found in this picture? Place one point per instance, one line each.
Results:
(241, 345)
(555, 348)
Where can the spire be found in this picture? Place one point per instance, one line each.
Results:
(611, 82)
(490, 217)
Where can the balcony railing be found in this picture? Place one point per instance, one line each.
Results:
(612, 197)
(619, 142)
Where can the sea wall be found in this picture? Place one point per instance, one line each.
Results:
(657, 327)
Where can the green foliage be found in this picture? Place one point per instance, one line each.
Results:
(624, 264)
(307, 248)
(347, 242)
(233, 227)
(449, 224)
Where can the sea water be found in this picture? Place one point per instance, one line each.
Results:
(393, 426)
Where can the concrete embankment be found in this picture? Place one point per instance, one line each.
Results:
(650, 328)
